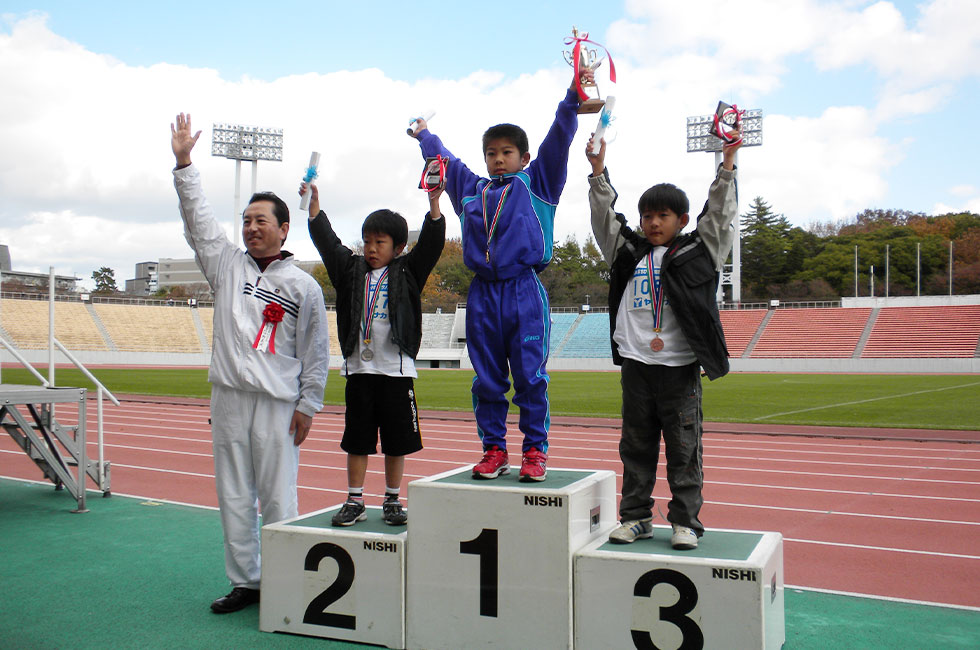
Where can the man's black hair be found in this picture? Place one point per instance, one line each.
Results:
(663, 196)
(386, 222)
(510, 132)
(279, 206)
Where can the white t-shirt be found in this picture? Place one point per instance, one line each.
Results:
(634, 321)
(387, 359)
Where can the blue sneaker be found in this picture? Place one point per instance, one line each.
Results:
(632, 530)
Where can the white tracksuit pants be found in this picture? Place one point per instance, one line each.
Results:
(255, 461)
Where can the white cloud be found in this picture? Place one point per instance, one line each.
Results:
(85, 167)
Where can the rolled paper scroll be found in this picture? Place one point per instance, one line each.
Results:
(411, 123)
(311, 173)
(605, 117)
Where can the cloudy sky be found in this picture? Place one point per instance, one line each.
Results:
(867, 105)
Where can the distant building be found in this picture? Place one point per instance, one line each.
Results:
(145, 282)
(33, 282)
(173, 272)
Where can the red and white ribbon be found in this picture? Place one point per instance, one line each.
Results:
(576, 54)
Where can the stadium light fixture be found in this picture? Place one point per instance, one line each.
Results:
(251, 143)
(700, 138)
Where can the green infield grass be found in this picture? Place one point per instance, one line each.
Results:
(913, 401)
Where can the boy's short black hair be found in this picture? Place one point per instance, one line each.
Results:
(665, 195)
(510, 132)
(386, 222)
(280, 209)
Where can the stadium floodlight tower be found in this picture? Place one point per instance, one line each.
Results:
(252, 143)
(700, 138)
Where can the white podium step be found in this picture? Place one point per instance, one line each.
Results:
(727, 593)
(337, 583)
(490, 562)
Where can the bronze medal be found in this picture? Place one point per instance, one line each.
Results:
(657, 344)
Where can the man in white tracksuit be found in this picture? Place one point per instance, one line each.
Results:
(268, 365)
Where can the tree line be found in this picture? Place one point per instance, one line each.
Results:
(779, 260)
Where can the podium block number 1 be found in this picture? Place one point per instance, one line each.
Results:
(485, 545)
(316, 611)
(676, 614)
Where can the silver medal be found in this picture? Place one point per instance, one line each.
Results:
(367, 354)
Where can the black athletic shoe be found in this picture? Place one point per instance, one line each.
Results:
(352, 512)
(393, 513)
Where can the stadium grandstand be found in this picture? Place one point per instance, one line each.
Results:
(925, 334)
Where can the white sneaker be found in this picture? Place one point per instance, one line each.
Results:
(632, 530)
(683, 539)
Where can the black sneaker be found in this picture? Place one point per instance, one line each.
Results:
(352, 512)
(393, 513)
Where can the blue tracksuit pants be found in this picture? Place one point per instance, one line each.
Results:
(509, 322)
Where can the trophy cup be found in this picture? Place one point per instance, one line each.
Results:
(726, 120)
(583, 59)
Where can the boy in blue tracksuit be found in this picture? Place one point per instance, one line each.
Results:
(507, 224)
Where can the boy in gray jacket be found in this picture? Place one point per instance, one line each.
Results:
(665, 327)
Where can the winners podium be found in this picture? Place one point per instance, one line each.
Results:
(505, 564)
(490, 562)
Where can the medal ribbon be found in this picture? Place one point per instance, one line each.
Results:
(656, 293)
(576, 54)
(370, 302)
(491, 227)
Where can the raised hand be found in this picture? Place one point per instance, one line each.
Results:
(314, 197)
(729, 149)
(181, 140)
(596, 154)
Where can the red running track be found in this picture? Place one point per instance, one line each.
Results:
(895, 518)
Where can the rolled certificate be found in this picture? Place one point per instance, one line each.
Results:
(605, 117)
(411, 124)
(311, 173)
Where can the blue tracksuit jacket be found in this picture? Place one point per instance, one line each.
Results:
(507, 309)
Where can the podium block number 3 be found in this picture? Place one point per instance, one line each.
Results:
(485, 546)
(677, 614)
(316, 611)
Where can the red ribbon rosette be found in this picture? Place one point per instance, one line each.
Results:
(265, 340)
(273, 312)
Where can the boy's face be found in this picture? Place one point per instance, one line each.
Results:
(380, 249)
(261, 232)
(661, 225)
(503, 157)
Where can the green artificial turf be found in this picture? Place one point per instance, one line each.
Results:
(872, 400)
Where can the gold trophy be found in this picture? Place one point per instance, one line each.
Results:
(583, 59)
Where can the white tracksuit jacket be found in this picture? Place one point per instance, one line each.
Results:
(298, 369)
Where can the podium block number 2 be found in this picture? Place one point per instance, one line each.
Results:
(485, 546)
(316, 611)
(677, 614)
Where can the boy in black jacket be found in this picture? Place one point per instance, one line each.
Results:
(664, 326)
(379, 323)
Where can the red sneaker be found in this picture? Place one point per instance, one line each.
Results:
(494, 464)
(533, 465)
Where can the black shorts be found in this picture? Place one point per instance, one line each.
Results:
(380, 403)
